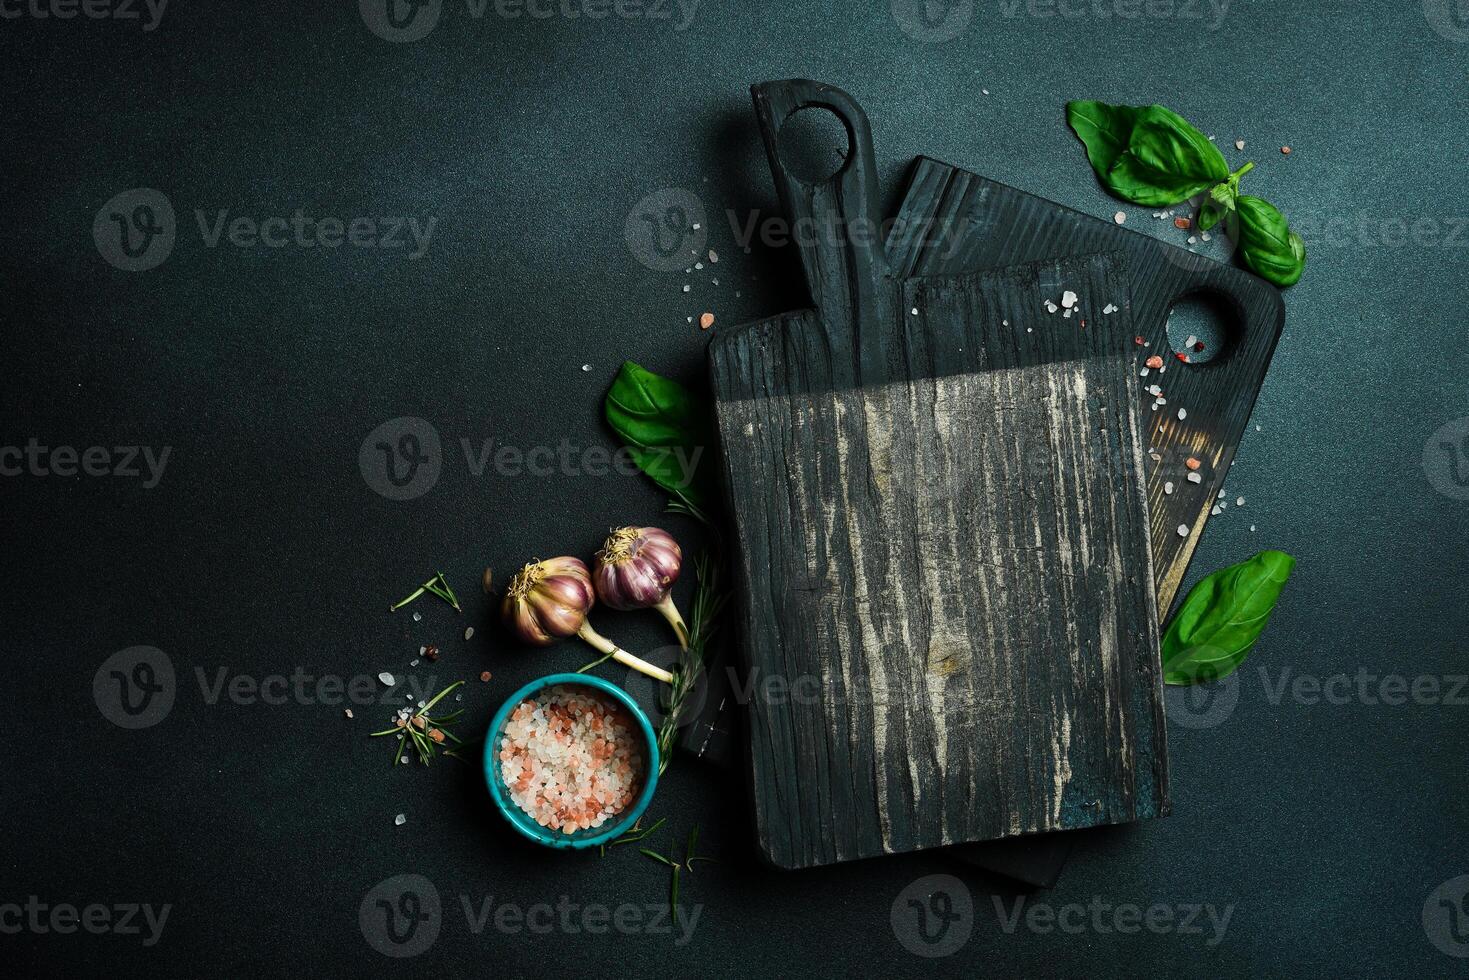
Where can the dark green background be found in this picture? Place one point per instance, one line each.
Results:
(263, 550)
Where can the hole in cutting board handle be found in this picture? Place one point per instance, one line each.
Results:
(814, 143)
(1205, 325)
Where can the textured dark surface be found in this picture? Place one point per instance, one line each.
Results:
(1325, 826)
(953, 558)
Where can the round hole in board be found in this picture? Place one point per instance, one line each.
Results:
(1202, 325)
(814, 144)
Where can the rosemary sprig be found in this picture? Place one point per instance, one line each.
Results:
(687, 864)
(636, 833)
(425, 734)
(709, 602)
(439, 586)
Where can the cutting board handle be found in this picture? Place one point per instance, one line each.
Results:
(836, 222)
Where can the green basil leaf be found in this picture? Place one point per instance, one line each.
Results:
(1104, 130)
(1271, 250)
(1162, 140)
(1210, 215)
(1223, 616)
(1132, 179)
(665, 427)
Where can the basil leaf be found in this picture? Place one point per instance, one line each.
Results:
(1134, 180)
(1163, 141)
(665, 427)
(1210, 215)
(1223, 616)
(1271, 250)
(1104, 130)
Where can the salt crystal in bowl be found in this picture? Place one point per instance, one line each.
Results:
(571, 761)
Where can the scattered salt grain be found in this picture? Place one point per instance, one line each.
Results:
(386, 678)
(1068, 299)
(1168, 488)
(1051, 307)
(915, 311)
(468, 632)
(686, 287)
(400, 819)
(413, 663)
(1252, 527)
(348, 712)
(1183, 530)
(586, 367)
(1239, 502)
(1120, 217)
(1182, 414)
(1239, 144)
(1195, 478)
(418, 617)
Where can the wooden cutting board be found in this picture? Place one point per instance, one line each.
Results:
(954, 221)
(945, 581)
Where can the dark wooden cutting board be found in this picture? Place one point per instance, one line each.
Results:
(953, 221)
(943, 549)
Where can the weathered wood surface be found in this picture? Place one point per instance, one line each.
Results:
(942, 541)
(953, 221)
(949, 570)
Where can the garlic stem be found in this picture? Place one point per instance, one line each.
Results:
(670, 613)
(605, 645)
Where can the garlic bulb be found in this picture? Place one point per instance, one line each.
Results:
(636, 569)
(549, 601)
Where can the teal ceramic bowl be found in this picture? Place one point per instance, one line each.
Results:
(522, 821)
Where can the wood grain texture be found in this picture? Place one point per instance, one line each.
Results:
(945, 585)
(953, 221)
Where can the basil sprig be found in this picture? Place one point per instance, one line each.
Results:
(1151, 155)
(1223, 616)
(665, 428)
